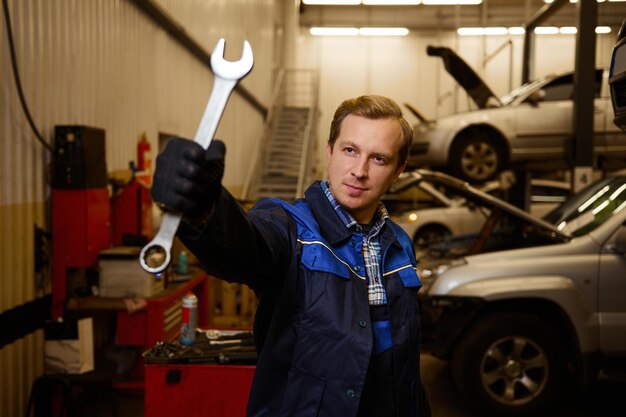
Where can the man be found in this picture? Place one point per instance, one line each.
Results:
(338, 325)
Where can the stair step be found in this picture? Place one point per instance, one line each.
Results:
(284, 142)
(278, 180)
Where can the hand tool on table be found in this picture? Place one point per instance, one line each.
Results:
(156, 255)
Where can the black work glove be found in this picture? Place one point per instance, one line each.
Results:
(187, 179)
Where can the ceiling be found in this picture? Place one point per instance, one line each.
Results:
(506, 13)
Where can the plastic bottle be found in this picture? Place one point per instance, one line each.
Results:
(183, 265)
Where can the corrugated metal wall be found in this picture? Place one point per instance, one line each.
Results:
(103, 63)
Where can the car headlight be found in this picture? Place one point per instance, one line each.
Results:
(429, 274)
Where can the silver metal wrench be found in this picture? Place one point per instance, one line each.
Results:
(156, 255)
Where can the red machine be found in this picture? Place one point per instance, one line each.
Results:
(85, 220)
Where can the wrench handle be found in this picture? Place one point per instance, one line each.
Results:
(157, 254)
(213, 112)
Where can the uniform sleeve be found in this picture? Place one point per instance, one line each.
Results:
(252, 248)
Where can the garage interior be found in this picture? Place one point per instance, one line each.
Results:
(92, 91)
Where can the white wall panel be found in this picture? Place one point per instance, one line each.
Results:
(104, 63)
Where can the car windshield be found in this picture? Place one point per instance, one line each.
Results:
(590, 207)
(521, 90)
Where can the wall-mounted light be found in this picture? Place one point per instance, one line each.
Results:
(541, 30)
(366, 31)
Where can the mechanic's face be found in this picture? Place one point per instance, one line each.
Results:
(363, 163)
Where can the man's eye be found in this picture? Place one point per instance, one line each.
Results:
(349, 149)
(379, 159)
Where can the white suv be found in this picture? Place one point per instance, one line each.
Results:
(531, 124)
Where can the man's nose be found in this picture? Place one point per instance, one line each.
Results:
(360, 168)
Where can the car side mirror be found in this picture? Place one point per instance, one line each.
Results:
(537, 97)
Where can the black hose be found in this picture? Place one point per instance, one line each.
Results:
(16, 75)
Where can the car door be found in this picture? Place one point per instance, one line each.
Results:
(544, 127)
(612, 296)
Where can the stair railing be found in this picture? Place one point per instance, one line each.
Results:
(298, 88)
(308, 155)
(260, 147)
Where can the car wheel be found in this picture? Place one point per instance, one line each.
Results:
(475, 157)
(508, 364)
(427, 236)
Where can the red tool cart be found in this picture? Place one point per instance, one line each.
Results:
(212, 377)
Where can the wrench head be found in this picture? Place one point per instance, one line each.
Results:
(231, 70)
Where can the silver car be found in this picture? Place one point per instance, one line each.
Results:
(521, 327)
(530, 125)
(433, 207)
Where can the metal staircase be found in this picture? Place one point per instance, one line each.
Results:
(285, 161)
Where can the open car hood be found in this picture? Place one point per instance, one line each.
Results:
(467, 78)
(476, 197)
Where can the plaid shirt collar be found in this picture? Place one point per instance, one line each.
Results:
(381, 215)
(372, 252)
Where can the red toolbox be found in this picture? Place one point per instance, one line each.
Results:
(191, 390)
(211, 377)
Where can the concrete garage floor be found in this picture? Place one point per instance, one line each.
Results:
(605, 399)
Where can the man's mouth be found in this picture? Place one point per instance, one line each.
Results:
(355, 189)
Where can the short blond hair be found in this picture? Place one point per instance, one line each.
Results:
(372, 107)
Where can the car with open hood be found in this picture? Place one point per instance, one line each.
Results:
(524, 326)
(444, 215)
(531, 125)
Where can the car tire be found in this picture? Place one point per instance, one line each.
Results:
(475, 157)
(426, 236)
(508, 364)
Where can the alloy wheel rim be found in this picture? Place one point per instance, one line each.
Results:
(479, 160)
(514, 370)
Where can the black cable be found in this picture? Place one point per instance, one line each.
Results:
(16, 75)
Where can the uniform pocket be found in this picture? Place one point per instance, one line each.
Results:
(317, 256)
(303, 395)
(409, 277)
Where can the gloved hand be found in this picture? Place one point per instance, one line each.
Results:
(187, 179)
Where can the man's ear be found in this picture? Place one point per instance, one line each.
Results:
(329, 151)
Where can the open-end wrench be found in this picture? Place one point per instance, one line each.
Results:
(156, 255)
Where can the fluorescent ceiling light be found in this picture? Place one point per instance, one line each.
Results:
(470, 31)
(572, 30)
(516, 30)
(450, 2)
(576, 1)
(541, 30)
(326, 31)
(496, 31)
(332, 2)
(317, 31)
(546, 30)
(479, 31)
(391, 2)
(383, 31)
(387, 2)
